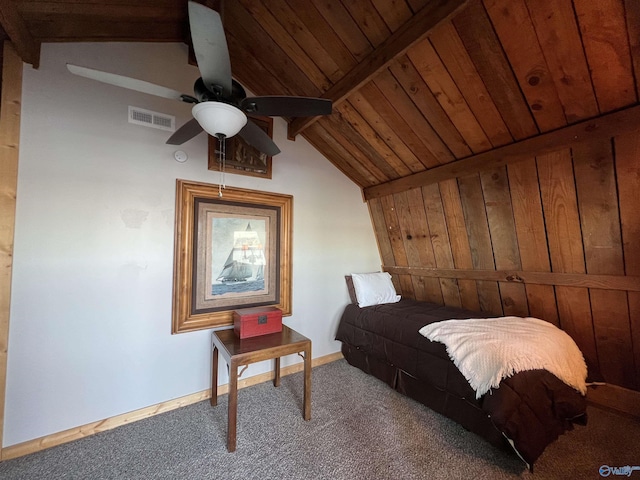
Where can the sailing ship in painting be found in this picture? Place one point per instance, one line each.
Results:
(243, 270)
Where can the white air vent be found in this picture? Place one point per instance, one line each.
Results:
(140, 116)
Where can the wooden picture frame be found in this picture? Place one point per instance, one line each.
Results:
(230, 252)
(241, 157)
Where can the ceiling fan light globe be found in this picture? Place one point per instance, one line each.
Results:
(219, 118)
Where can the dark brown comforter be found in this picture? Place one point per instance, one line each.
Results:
(527, 411)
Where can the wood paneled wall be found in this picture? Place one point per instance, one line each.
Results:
(555, 236)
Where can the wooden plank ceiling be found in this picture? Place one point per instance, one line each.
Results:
(411, 93)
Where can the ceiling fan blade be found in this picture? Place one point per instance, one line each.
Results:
(210, 46)
(280, 106)
(126, 82)
(258, 138)
(185, 132)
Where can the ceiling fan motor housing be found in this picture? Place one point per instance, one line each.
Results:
(204, 94)
(215, 93)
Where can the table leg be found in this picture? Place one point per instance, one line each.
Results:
(233, 407)
(276, 379)
(214, 377)
(307, 384)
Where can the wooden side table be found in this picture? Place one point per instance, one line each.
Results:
(238, 353)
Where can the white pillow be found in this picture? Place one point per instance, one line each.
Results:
(374, 288)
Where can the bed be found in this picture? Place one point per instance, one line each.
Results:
(529, 409)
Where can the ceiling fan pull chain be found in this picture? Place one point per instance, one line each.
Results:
(222, 160)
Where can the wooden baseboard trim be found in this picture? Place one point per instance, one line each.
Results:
(614, 398)
(48, 441)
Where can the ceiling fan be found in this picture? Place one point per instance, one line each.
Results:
(220, 103)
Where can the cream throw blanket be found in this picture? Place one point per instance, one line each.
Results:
(486, 350)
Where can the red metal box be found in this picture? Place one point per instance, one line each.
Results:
(251, 322)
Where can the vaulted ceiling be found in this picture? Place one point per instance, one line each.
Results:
(416, 84)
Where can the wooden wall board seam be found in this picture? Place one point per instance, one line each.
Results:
(450, 48)
(439, 124)
(607, 51)
(557, 31)
(627, 169)
(593, 169)
(632, 16)
(481, 41)
(513, 24)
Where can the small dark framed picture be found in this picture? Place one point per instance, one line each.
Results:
(242, 158)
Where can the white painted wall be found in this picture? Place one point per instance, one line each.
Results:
(91, 294)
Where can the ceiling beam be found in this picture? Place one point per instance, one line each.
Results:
(585, 280)
(412, 32)
(13, 24)
(603, 127)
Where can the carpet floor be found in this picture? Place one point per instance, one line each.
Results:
(359, 429)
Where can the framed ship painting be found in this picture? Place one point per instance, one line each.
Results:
(231, 252)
